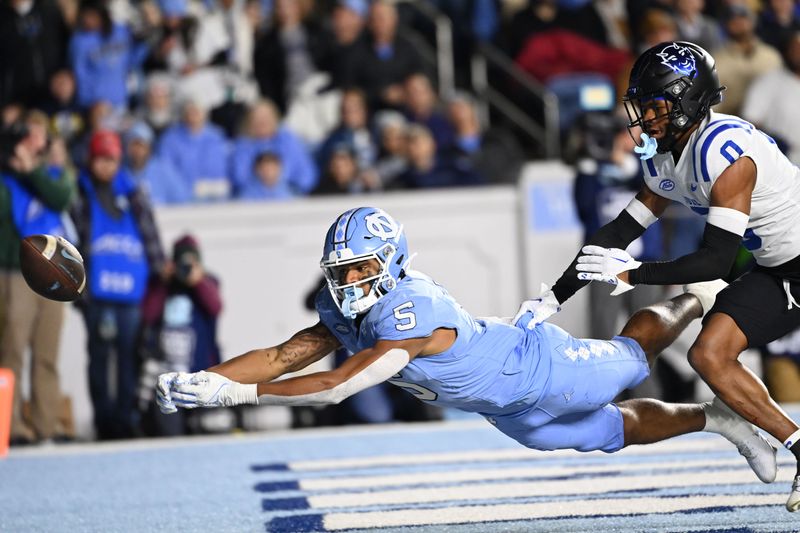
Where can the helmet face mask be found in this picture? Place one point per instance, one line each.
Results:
(681, 74)
(360, 235)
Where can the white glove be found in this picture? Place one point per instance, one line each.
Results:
(204, 389)
(605, 264)
(164, 390)
(542, 308)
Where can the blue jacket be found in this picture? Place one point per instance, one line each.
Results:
(255, 190)
(298, 167)
(197, 157)
(31, 216)
(162, 183)
(101, 65)
(117, 260)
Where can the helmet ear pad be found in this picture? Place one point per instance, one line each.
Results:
(683, 105)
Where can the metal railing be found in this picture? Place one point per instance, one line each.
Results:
(443, 51)
(546, 134)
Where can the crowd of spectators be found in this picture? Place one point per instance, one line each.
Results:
(242, 99)
(269, 99)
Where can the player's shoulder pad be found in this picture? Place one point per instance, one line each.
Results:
(408, 311)
(723, 140)
(415, 289)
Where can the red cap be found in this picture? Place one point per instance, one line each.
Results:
(105, 143)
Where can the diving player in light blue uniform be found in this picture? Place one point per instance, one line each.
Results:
(537, 384)
(512, 376)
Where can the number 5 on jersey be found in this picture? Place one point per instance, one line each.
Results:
(406, 319)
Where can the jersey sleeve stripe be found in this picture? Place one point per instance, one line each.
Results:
(707, 144)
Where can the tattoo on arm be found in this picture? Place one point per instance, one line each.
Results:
(306, 347)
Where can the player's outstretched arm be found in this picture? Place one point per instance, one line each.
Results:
(631, 223)
(364, 369)
(302, 349)
(727, 220)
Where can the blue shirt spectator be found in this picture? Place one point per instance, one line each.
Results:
(102, 54)
(265, 135)
(267, 181)
(154, 174)
(199, 151)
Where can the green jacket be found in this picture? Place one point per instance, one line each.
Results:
(56, 194)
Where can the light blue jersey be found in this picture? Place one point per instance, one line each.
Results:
(491, 368)
(520, 380)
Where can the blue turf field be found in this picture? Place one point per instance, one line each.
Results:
(454, 476)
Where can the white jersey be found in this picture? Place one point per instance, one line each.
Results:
(773, 232)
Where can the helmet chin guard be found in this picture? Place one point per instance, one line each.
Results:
(356, 236)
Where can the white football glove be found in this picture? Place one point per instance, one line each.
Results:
(542, 308)
(202, 389)
(164, 387)
(605, 264)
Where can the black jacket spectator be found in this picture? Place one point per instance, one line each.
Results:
(380, 63)
(373, 74)
(33, 45)
(271, 56)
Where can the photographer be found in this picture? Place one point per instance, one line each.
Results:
(179, 315)
(34, 193)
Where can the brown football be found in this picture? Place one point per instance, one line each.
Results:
(52, 267)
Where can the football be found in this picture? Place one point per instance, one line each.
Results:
(52, 267)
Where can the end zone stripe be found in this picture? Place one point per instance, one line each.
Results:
(285, 504)
(296, 524)
(545, 472)
(501, 513)
(271, 467)
(711, 443)
(523, 489)
(277, 486)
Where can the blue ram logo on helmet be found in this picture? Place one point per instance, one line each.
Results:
(678, 58)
